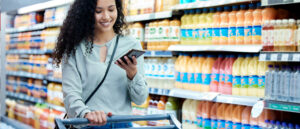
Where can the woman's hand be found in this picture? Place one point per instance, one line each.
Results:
(97, 117)
(128, 66)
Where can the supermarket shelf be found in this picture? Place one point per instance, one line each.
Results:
(282, 106)
(34, 100)
(158, 54)
(32, 52)
(14, 123)
(39, 26)
(158, 91)
(25, 74)
(210, 3)
(224, 48)
(278, 2)
(151, 16)
(239, 100)
(52, 79)
(280, 56)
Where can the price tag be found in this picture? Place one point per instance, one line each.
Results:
(262, 57)
(257, 109)
(210, 96)
(274, 57)
(285, 57)
(296, 57)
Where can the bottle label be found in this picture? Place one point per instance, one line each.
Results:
(221, 124)
(214, 124)
(236, 82)
(228, 125)
(224, 33)
(237, 126)
(216, 32)
(206, 79)
(232, 33)
(198, 78)
(228, 79)
(185, 77)
(257, 33)
(253, 81)
(222, 78)
(245, 81)
(165, 34)
(253, 127)
(155, 34)
(203, 33)
(174, 33)
(189, 34)
(209, 33)
(199, 122)
(240, 33)
(261, 81)
(178, 76)
(207, 124)
(191, 78)
(215, 78)
(248, 31)
(183, 34)
(195, 34)
(245, 126)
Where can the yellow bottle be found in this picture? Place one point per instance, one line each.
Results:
(198, 72)
(184, 65)
(195, 21)
(50, 92)
(245, 76)
(262, 69)
(189, 27)
(174, 32)
(253, 76)
(165, 34)
(202, 25)
(191, 73)
(177, 71)
(209, 24)
(183, 28)
(236, 73)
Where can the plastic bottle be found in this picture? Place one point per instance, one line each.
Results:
(183, 28)
(284, 125)
(228, 116)
(261, 119)
(224, 26)
(262, 69)
(159, 5)
(206, 72)
(245, 76)
(198, 72)
(216, 74)
(240, 16)
(155, 36)
(296, 88)
(236, 73)
(283, 40)
(199, 115)
(253, 123)
(232, 25)
(209, 24)
(248, 24)
(257, 22)
(271, 34)
(193, 114)
(185, 113)
(178, 71)
(265, 37)
(216, 26)
(165, 34)
(195, 26)
(276, 82)
(206, 114)
(246, 114)
(277, 36)
(184, 70)
(221, 115)
(253, 76)
(297, 126)
(269, 82)
(189, 26)
(222, 75)
(161, 106)
(268, 13)
(191, 73)
(285, 88)
(237, 117)
(228, 75)
(291, 126)
(214, 119)
(298, 35)
(203, 28)
(291, 36)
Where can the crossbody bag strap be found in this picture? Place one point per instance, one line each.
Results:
(109, 64)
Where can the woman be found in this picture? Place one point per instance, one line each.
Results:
(84, 47)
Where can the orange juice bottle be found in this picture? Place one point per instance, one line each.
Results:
(240, 19)
(228, 116)
(178, 71)
(161, 108)
(245, 76)
(213, 113)
(269, 13)
(236, 73)
(246, 118)
(215, 76)
(199, 115)
(232, 25)
(237, 117)
(150, 36)
(257, 25)
(198, 72)
(253, 76)
(184, 70)
(206, 108)
(224, 26)
(221, 115)
(191, 73)
(248, 24)
(206, 72)
(165, 34)
(216, 26)
(174, 32)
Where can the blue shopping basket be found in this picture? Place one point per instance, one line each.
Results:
(174, 123)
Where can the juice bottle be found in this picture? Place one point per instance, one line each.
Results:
(198, 72)
(195, 22)
(50, 92)
(265, 36)
(191, 73)
(291, 36)
(232, 25)
(215, 76)
(216, 26)
(177, 71)
(213, 113)
(228, 75)
(269, 13)
(159, 36)
(262, 119)
(155, 36)
(257, 22)
(209, 24)
(184, 71)
(246, 114)
(185, 113)
(248, 24)
(165, 34)
(240, 19)
(262, 69)
(236, 73)
(253, 122)
(206, 72)
(203, 28)
(159, 5)
(172, 107)
(237, 117)
(174, 32)
(277, 36)
(221, 115)
(228, 116)
(224, 25)
(245, 76)
(193, 114)
(206, 108)
(222, 75)
(271, 33)
(298, 35)
(199, 115)
(183, 28)
(161, 106)
(253, 76)
(189, 27)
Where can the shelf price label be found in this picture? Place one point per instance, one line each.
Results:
(285, 57)
(262, 57)
(210, 96)
(296, 57)
(274, 57)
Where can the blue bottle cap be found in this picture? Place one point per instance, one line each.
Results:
(267, 121)
(219, 9)
(211, 9)
(198, 11)
(220, 56)
(248, 55)
(205, 10)
(251, 6)
(232, 56)
(258, 4)
(291, 126)
(278, 122)
(226, 8)
(272, 121)
(200, 55)
(284, 124)
(194, 55)
(192, 11)
(235, 7)
(243, 6)
(211, 56)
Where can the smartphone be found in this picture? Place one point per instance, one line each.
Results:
(131, 53)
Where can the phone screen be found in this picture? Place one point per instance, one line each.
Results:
(131, 53)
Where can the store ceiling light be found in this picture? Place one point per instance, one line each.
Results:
(44, 5)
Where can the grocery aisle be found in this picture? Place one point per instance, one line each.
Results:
(207, 62)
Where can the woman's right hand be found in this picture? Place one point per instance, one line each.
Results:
(97, 117)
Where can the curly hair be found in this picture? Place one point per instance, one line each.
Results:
(79, 25)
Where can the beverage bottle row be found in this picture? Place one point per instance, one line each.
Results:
(281, 35)
(210, 115)
(137, 31)
(159, 35)
(229, 74)
(283, 83)
(225, 25)
(280, 125)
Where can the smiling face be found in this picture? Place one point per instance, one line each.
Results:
(105, 15)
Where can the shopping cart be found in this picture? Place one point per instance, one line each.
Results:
(174, 123)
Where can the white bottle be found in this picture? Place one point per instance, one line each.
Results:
(297, 85)
(293, 84)
(298, 35)
(284, 125)
(276, 83)
(269, 82)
